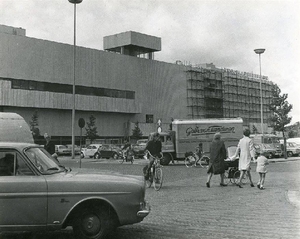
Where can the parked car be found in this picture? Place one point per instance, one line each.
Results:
(292, 149)
(139, 147)
(90, 150)
(39, 194)
(62, 150)
(269, 149)
(108, 151)
(77, 148)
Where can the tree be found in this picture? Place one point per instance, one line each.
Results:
(280, 108)
(91, 129)
(136, 131)
(34, 125)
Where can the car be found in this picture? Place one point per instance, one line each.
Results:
(37, 193)
(62, 150)
(108, 151)
(292, 149)
(270, 150)
(77, 148)
(90, 150)
(139, 147)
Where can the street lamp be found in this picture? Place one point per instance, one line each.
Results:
(259, 52)
(74, 77)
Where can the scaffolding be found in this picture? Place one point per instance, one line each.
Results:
(222, 93)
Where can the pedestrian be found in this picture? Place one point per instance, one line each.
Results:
(246, 150)
(216, 161)
(261, 169)
(50, 147)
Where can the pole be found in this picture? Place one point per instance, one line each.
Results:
(261, 100)
(74, 81)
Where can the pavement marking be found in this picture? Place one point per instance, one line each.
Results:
(294, 198)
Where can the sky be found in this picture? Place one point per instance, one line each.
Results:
(222, 32)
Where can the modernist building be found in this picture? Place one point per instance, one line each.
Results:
(119, 86)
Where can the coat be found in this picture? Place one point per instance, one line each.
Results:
(217, 156)
(246, 149)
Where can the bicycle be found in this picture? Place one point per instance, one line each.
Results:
(155, 174)
(193, 159)
(126, 157)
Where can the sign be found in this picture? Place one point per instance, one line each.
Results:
(81, 123)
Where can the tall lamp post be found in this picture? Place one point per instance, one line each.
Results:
(259, 52)
(74, 78)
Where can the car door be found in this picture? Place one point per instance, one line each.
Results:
(90, 151)
(23, 193)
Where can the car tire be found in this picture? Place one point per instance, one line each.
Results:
(270, 155)
(115, 156)
(81, 155)
(290, 154)
(97, 156)
(92, 223)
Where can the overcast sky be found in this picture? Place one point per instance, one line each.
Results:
(223, 32)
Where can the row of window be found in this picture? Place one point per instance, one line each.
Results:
(68, 89)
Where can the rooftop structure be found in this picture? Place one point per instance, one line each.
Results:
(132, 44)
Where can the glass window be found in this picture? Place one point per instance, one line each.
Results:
(149, 118)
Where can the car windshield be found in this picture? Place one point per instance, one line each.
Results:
(43, 161)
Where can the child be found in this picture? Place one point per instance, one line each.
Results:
(261, 168)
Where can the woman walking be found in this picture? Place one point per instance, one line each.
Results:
(216, 161)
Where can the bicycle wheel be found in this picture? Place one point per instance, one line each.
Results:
(189, 161)
(158, 178)
(204, 161)
(150, 180)
(121, 160)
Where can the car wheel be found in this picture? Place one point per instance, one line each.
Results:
(92, 223)
(289, 154)
(97, 156)
(81, 155)
(270, 155)
(115, 156)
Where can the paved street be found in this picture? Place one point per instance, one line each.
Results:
(185, 208)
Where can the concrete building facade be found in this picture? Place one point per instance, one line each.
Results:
(117, 86)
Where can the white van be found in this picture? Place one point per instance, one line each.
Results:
(13, 128)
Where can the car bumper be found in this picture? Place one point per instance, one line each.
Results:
(145, 210)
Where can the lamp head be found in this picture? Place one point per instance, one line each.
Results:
(257, 51)
(75, 1)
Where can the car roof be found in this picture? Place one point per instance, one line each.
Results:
(17, 145)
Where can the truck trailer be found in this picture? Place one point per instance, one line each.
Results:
(187, 134)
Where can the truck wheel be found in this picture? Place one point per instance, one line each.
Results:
(289, 154)
(166, 159)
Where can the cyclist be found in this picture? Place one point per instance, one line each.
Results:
(154, 147)
(127, 149)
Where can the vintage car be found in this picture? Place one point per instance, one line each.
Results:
(62, 150)
(291, 149)
(268, 149)
(76, 148)
(108, 151)
(139, 147)
(37, 193)
(90, 150)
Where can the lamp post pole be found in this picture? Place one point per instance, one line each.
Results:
(74, 78)
(259, 52)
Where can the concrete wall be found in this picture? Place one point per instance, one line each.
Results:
(160, 88)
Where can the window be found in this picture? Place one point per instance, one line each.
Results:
(12, 164)
(149, 118)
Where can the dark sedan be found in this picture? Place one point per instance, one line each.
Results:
(108, 151)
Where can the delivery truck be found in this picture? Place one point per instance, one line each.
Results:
(187, 134)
